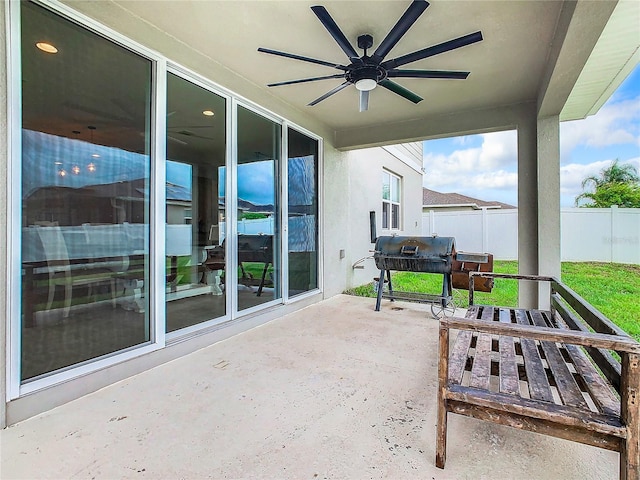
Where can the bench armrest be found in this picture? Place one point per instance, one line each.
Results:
(587, 339)
(514, 276)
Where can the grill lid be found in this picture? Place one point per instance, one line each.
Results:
(415, 254)
(415, 247)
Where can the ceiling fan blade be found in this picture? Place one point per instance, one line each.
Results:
(303, 80)
(364, 100)
(176, 140)
(329, 93)
(434, 50)
(404, 24)
(400, 90)
(304, 59)
(427, 74)
(336, 33)
(182, 127)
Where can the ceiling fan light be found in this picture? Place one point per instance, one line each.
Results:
(366, 84)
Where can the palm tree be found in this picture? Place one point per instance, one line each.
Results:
(608, 185)
(614, 173)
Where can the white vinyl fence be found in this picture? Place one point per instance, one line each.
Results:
(587, 234)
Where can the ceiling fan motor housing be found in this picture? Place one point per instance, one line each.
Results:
(365, 71)
(365, 42)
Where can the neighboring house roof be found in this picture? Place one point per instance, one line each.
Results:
(431, 198)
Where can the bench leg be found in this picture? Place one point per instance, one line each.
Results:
(443, 374)
(630, 413)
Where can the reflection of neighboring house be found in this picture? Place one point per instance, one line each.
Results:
(179, 206)
(245, 206)
(432, 200)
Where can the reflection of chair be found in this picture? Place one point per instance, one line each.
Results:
(214, 235)
(59, 268)
(214, 264)
(255, 249)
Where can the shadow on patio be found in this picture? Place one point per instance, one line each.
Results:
(335, 390)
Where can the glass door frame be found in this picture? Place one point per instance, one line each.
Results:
(232, 208)
(201, 82)
(16, 388)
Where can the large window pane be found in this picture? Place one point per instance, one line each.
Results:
(258, 209)
(86, 105)
(195, 233)
(303, 213)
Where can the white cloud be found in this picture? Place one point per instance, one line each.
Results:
(616, 123)
(498, 150)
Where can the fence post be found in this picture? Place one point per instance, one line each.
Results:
(614, 231)
(432, 222)
(485, 230)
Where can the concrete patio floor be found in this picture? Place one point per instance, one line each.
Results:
(335, 390)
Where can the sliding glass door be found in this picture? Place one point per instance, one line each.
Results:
(195, 220)
(258, 209)
(302, 182)
(86, 169)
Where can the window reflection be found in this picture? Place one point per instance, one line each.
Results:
(195, 230)
(303, 213)
(258, 222)
(85, 195)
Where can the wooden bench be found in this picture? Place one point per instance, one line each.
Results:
(550, 372)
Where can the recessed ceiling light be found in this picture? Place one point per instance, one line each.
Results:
(46, 47)
(208, 113)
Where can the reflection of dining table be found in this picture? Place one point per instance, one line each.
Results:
(104, 252)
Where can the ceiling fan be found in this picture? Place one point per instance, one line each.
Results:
(368, 71)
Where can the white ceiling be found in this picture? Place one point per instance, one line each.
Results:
(526, 55)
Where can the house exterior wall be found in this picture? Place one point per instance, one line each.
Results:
(350, 187)
(365, 190)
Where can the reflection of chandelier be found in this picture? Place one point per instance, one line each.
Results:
(92, 166)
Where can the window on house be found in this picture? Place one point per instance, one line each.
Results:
(390, 201)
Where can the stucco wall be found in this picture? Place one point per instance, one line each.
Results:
(365, 189)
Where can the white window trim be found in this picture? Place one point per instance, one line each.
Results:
(392, 202)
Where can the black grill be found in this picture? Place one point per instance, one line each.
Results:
(415, 254)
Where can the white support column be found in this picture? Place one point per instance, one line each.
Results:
(549, 254)
(528, 206)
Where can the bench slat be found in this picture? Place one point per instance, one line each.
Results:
(601, 394)
(509, 380)
(537, 425)
(539, 388)
(610, 366)
(562, 414)
(567, 387)
(459, 353)
(481, 369)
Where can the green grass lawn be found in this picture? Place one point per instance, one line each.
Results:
(612, 288)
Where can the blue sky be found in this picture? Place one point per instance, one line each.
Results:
(484, 166)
